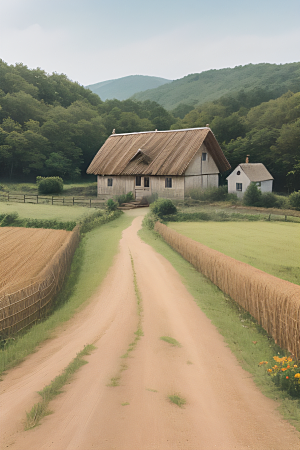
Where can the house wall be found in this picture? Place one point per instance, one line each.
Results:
(234, 178)
(157, 185)
(264, 186)
(121, 185)
(201, 174)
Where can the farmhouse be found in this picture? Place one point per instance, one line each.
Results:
(168, 163)
(247, 173)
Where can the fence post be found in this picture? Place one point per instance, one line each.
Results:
(90, 202)
(52, 199)
(285, 218)
(73, 201)
(63, 200)
(8, 197)
(269, 217)
(24, 198)
(37, 199)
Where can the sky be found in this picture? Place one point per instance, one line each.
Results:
(95, 40)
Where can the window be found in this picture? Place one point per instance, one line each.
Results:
(168, 182)
(239, 186)
(109, 181)
(258, 184)
(138, 181)
(146, 181)
(238, 172)
(204, 156)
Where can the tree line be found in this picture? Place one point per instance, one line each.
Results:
(51, 126)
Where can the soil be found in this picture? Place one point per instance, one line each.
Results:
(224, 410)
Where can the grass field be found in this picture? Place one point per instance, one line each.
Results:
(47, 212)
(273, 247)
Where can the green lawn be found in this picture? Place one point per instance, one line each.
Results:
(273, 247)
(48, 212)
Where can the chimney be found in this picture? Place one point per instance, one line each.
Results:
(114, 131)
(207, 125)
(247, 159)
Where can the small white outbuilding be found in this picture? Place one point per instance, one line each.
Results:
(247, 173)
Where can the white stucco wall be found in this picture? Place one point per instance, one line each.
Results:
(234, 178)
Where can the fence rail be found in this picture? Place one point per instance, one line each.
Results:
(273, 302)
(20, 306)
(51, 200)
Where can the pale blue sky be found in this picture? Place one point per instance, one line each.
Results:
(93, 41)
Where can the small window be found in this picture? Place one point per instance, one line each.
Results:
(168, 182)
(239, 186)
(238, 172)
(258, 184)
(138, 181)
(204, 156)
(146, 181)
(109, 181)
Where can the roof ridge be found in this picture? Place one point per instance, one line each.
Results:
(159, 131)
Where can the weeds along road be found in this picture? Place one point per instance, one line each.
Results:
(224, 410)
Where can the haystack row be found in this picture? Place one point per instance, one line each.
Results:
(40, 274)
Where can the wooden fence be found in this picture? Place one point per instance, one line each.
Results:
(273, 302)
(21, 305)
(50, 200)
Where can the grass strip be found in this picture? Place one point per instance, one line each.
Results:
(246, 339)
(170, 340)
(39, 410)
(177, 400)
(87, 272)
(115, 381)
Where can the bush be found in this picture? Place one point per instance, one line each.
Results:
(268, 200)
(252, 196)
(124, 198)
(111, 205)
(211, 194)
(50, 185)
(294, 200)
(163, 207)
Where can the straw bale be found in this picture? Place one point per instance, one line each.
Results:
(273, 302)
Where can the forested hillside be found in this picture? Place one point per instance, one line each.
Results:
(245, 123)
(50, 125)
(125, 87)
(199, 88)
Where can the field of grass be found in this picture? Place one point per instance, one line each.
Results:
(247, 340)
(80, 188)
(87, 273)
(47, 212)
(273, 247)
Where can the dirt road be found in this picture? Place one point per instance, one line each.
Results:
(224, 410)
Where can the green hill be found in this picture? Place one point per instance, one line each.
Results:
(199, 88)
(123, 88)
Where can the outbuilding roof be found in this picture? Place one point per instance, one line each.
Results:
(256, 172)
(155, 152)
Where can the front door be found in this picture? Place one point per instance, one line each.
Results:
(142, 187)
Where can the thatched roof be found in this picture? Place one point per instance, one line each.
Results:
(256, 172)
(155, 152)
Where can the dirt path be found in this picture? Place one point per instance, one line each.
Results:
(224, 410)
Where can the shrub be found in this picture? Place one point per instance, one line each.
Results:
(124, 198)
(294, 200)
(111, 205)
(163, 207)
(268, 200)
(50, 185)
(212, 194)
(252, 196)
